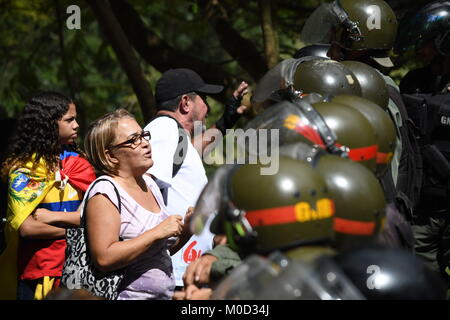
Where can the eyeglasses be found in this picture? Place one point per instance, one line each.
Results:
(135, 141)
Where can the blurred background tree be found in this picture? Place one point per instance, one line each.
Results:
(123, 46)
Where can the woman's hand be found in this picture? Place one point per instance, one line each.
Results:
(185, 233)
(170, 227)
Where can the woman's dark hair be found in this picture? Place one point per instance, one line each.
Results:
(37, 131)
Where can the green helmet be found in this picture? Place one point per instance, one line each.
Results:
(262, 213)
(376, 21)
(373, 85)
(272, 86)
(296, 121)
(358, 196)
(325, 77)
(359, 201)
(353, 130)
(381, 124)
(314, 50)
(358, 25)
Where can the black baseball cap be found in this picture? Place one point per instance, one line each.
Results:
(175, 82)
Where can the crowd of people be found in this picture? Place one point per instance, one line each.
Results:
(356, 195)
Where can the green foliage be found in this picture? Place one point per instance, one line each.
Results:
(31, 59)
(86, 67)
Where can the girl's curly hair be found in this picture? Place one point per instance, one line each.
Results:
(37, 132)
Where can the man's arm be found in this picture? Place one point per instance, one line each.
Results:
(233, 111)
(211, 266)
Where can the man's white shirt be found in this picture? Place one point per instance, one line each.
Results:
(185, 187)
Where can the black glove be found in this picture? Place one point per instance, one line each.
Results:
(230, 115)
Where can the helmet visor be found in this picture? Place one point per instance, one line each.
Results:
(291, 122)
(319, 25)
(303, 281)
(247, 280)
(275, 79)
(279, 278)
(210, 201)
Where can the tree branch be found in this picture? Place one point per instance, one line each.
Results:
(160, 54)
(125, 54)
(241, 49)
(269, 34)
(66, 67)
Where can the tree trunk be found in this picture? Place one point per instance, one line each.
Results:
(66, 68)
(125, 54)
(239, 48)
(271, 47)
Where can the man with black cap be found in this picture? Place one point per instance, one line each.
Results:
(181, 100)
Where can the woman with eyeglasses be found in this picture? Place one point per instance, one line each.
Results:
(47, 176)
(120, 151)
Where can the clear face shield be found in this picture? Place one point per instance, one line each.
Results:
(277, 84)
(298, 121)
(320, 25)
(214, 206)
(291, 122)
(280, 278)
(210, 201)
(276, 79)
(247, 280)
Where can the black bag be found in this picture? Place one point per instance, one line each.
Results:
(410, 171)
(79, 272)
(431, 116)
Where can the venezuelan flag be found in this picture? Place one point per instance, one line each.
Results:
(30, 189)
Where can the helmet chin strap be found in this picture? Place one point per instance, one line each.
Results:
(238, 225)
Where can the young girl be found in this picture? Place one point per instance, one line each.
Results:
(46, 181)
